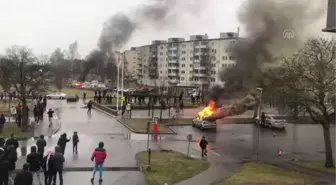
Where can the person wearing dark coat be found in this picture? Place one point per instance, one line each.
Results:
(41, 143)
(12, 141)
(57, 162)
(24, 177)
(34, 160)
(203, 144)
(62, 141)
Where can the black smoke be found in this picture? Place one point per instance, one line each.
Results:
(119, 28)
(265, 22)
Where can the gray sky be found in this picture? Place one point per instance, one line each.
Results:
(45, 25)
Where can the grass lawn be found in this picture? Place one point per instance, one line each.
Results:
(263, 174)
(12, 128)
(140, 125)
(170, 167)
(317, 165)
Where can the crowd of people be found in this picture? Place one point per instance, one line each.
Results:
(51, 164)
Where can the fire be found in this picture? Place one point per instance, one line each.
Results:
(208, 110)
(78, 84)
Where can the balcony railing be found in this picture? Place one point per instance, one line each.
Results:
(174, 81)
(173, 67)
(173, 74)
(201, 46)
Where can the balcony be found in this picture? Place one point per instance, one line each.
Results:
(201, 53)
(172, 48)
(173, 67)
(173, 81)
(201, 46)
(173, 62)
(173, 74)
(199, 67)
(200, 75)
(172, 54)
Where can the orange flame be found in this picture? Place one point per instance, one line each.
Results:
(208, 110)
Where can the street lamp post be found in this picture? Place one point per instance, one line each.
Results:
(259, 117)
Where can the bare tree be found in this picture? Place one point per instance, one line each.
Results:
(310, 74)
(29, 76)
(5, 75)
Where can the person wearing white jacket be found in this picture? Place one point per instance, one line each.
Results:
(13, 112)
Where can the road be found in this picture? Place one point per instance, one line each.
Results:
(240, 140)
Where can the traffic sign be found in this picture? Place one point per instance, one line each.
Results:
(189, 137)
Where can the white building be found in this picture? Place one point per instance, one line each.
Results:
(177, 62)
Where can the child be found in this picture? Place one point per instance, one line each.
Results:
(99, 155)
(75, 141)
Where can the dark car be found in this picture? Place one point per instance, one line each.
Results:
(72, 98)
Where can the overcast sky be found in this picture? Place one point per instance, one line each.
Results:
(45, 25)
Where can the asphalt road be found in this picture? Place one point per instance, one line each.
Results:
(241, 140)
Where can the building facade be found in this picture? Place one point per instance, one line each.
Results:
(196, 62)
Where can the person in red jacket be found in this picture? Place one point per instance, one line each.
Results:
(99, 156)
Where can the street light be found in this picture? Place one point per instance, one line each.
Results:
(259, 117)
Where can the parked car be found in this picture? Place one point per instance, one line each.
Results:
(56, 95)
(72, 98)
(203, 124)
(273, 121)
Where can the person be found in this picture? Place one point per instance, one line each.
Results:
(18, 114)
(75, 141)
(89, 106)
(4, 163)
(203, 144)
(11, 156)
(50, 116)
(36, 112)
(34, 160)
(2, 122)
(24, 177)
(99, 156)
(263, 118)
(57, 163)
(62, 141)
(12, 141)
(84, 96)
(48, 167)
(182, 106)
(41, 143)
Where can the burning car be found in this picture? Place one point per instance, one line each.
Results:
(201, 121)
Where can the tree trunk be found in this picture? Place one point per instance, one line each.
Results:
(329, 161)
(25, 115)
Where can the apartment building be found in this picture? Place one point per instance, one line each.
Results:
(196, 62)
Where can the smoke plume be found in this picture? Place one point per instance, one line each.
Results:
(265, 22)
(118, 29)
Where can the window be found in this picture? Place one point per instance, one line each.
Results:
(161, 72)
(183, 72)
(161, 53)
(224, 57)
(191, 65)
(183, 65)
(190, 79)
(183, 52)
(231, 58)
(191, 58)
(213, 72)
(213, 57)
(161, 47)
(190, 72)
(183, 58)
(182, 78)
(183, 45)
(214, 51)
